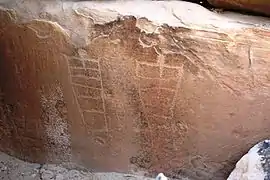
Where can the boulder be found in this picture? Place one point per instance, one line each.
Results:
(257, 6)
(117, 86)
(255, 165)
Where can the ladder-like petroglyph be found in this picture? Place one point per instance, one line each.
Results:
(159, 83)
(158, 96)
(87, 84)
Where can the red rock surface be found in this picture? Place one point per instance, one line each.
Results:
(257, 6)
(77, 84)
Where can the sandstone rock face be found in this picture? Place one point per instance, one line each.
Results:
(257, 6)
(118, 88)
(254, 165)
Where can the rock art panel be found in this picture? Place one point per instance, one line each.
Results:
(159, 98)
(174, 111)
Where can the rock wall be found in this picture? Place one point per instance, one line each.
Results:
(255, 6)
(33, 107)
(118, 88)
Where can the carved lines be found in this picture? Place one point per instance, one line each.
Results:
(161, 65)
(85, 72)
(172, 107)
(88, 88)
(158, 87)
(157, 99)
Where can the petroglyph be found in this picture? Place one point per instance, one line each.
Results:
(87, 84)
(131, 88)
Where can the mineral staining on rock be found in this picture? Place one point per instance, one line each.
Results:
(28, 115)
(254, 165)
(120, 86)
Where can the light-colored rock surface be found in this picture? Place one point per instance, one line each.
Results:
(161, 176)
(254, 165)
(95, 83)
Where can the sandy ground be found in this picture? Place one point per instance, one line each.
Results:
(15, 169)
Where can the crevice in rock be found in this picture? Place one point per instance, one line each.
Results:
(39, 171)
(203, 3)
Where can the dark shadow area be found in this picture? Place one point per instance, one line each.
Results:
(203, 3)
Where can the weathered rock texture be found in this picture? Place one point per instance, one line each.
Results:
(15, 169)
(119, 88)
